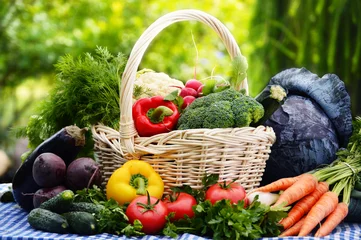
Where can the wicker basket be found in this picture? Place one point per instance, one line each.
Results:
(183, 156)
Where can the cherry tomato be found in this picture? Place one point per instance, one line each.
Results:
(150, 211)
(232, 191)
(181, 206)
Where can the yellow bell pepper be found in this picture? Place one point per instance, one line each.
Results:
(134, 178)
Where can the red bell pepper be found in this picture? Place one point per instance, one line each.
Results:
(154, 115)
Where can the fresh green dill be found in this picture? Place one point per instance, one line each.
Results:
(86, 92)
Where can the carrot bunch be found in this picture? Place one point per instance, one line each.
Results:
(315, 196)
(313, 203)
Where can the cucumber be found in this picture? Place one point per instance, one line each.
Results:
(60, 203)
(45, 220)
(82, 223)
(271, 98)
(7, 197)
(86, 207)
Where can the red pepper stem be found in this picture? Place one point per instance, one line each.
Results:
(156, 115)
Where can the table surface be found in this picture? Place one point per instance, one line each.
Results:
(14, 225)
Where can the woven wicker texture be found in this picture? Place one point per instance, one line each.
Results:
(182, 157)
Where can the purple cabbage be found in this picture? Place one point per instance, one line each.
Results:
(311, 125)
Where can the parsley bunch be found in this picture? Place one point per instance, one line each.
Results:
(224, 220)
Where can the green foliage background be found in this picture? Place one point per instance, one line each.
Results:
(323, 36)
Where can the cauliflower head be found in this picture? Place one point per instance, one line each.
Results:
(149, 83)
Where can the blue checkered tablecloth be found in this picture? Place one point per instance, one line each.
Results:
(14, 226)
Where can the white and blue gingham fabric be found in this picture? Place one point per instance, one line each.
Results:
(14, 226)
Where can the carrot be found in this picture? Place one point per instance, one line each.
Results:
(304, 205)
(281, 184)
(294, 230)
(305, 185)
(333, 220)
(322, 208)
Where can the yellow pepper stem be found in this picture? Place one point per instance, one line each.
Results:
(140, 183)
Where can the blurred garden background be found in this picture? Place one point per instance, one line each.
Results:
(323, 36)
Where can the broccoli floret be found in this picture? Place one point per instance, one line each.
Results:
(191, 119)
(246, 111)
(218, 115)
(225, 109)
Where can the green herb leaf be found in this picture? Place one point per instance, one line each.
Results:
(172, 96)
(224, 220)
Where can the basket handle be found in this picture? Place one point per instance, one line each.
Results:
(127, 129)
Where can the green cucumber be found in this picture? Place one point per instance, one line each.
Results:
(45, 220)
(82, 223)
(85, 207)
(7, 197)
(271, 98)
(60, 203)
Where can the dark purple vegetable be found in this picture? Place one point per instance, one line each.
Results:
(83, 173)
(310, 126)
(354, 210)
(49, 170)
(304, 141)
(44, 194)
(66, 143)
(329, 92)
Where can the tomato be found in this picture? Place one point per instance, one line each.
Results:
(150, 211)
(232, 191)
(181, 206)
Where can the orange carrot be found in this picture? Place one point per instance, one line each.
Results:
(333, 220)
(304, 205)
(281, 184)
(305, 185)
(294, 230)
(322, 208)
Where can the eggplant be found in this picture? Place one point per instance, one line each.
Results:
(66, 144)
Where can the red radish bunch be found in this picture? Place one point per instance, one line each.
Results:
(191, 90)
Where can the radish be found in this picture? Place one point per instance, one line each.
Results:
(265, 198)
(193, 83)
(200, 90)
(187, 91)
(187, 100)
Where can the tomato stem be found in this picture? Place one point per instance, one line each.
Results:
(148, 206)
(226, 185)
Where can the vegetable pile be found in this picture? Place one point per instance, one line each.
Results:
(322, 195)
(219, 210)
(312, 176)
(52, 167)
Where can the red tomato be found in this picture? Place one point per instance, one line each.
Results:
(181, 206)
(150, 213)
(232, 191)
